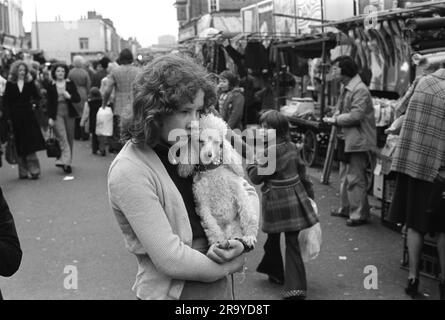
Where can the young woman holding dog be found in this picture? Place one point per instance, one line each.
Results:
(286, 208)
(153, 205)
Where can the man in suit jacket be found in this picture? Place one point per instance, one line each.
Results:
(10, 251)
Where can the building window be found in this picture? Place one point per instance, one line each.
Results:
(213, 5)
(83, 43)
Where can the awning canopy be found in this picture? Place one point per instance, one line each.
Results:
(310, 46)
(230, 26)
(424, 9)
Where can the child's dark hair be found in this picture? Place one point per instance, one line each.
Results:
(94, 94)
(275, 120)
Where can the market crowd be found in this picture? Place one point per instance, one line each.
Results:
(82, 102)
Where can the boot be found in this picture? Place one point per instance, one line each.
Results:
(413, 288)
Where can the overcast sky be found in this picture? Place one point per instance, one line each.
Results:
(143, 19)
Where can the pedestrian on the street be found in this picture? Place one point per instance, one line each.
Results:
(419, 160)
(356, 141)
(101, 72)
(10, 251)
(105, 82)
(153, 204)
(80, 77)
(18, 99)
(121, 80)
(62, 96)
(90, 110)
(231, 100)
(402, 105)
(286, 208)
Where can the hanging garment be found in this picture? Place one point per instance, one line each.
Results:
(257, 57)
(219, 64)
(239, 60)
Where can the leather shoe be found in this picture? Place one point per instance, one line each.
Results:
(336, 213)
(355, 223)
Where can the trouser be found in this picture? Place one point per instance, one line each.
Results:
(102, 143)
(79, 132)
(94, 142)
(28, 165)
(294, 272)
(65, 135)
(354, 185)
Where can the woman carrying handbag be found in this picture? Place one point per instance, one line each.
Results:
(62, 95)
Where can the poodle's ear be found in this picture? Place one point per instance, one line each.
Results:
(232, 159)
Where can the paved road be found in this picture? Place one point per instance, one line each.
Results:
(69, 223)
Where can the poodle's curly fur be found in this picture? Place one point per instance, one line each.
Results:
(221, 199)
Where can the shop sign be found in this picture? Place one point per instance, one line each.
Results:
(187, 33)
(8, 41)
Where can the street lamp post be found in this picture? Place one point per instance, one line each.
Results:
(37, 28)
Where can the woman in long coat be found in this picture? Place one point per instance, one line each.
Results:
(19, 97)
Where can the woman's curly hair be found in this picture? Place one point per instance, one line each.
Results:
(164, 85)
(14, 72)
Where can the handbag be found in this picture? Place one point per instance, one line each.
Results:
(52, 146)
(11, 148)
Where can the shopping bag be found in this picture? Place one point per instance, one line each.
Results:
(52, 146)
(104, 122)
(310, 240)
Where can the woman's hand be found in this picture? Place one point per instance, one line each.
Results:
(221, 254)
(67, 95)
(51, 122)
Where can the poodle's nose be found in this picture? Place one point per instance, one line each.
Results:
(210, 154)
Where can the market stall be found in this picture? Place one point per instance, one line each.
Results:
(391, 51)
(306, 107)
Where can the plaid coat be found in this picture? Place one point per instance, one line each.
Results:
(420, 152)
(285, 205)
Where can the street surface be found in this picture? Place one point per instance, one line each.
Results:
(64, 224)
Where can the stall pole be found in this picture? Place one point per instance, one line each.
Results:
(330, 152)
(37, 28)
(323, 67)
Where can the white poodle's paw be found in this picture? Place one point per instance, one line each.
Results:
(249, 240)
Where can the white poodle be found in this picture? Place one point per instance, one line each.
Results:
(221, 199)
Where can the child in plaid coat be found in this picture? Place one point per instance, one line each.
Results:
(286, 208)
